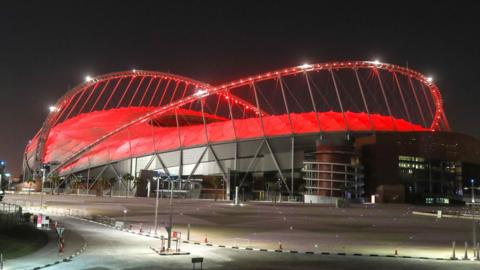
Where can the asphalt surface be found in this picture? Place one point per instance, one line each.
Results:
(112, 249)
(301, 227)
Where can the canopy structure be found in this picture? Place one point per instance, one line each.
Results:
(135, 113)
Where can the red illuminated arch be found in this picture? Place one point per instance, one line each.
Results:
(91, 93)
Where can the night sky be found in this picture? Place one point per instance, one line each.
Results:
(48, 47)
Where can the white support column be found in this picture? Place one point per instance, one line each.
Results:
(209, 146)
(236, 195)
(149, 163)
(364, 100)
(266, 141)
(313, 102)
(292, 157)
(98, 176)
(180, 165)
(339, 101)
(432, 113)
(197, 163)
(418, 103)
(286, 105)
(252, 162)
(385, 98)
(402, 97)
(277, 165)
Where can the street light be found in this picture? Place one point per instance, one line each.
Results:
(156, 206)
(9, 181)
(124, 215)
(44, 176)
(52, 108)
(474, 231)
(200, 92)
(305, 66)
(170, 226)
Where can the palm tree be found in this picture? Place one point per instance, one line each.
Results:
(75, 184)
(30, 181)
(136, 182)
(102, 183)
(54, 182)
(127, 178)
(111, 182)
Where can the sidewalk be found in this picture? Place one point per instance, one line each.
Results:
(49, 253)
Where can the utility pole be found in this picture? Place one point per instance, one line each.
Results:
(474, 229)
(44, 176)
(170, 226)
(156, 206)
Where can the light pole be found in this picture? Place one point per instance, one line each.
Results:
(474, 230)
(124, 215)
(45, 167)
(44, 176)
(171, 215)
(7, 175)
(156, 206)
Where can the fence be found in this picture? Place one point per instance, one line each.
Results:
(10, 213)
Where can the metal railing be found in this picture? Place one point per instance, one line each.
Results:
(10, 213)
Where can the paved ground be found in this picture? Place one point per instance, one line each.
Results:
(367, 229)
(112, 249)
(49, 253)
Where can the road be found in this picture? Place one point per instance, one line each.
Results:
(112, 249)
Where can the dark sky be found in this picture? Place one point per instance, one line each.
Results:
(48, 47)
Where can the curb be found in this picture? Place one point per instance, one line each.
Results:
(169, 254)
(324, 253)
(65, 259)
(117, 228)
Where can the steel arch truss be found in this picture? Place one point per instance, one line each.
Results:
(348, 92)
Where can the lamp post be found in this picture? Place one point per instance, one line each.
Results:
(170, 226)
(45, 167)
(7, 175)
(156, 206)
(124, 215)
(44, 176)
(474, 230)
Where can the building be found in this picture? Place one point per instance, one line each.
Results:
(315, 130)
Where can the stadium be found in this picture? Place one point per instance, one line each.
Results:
(312, 133)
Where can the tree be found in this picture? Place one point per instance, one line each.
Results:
(30, 181)
(75, 184)
(102, 183)
(136, 182)
(111, 182)
(127, 178)
(54, 182)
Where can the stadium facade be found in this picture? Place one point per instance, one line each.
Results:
(318, 132)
